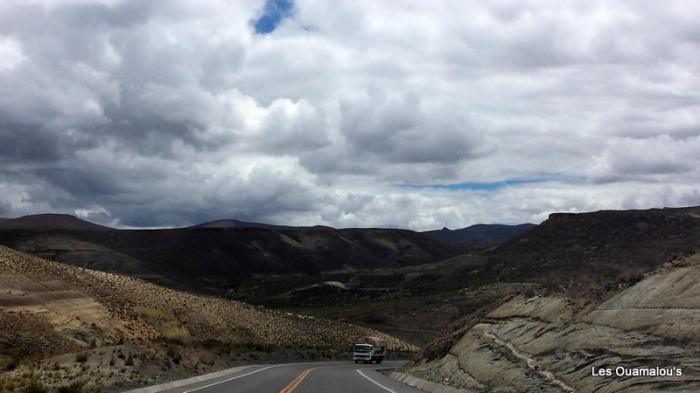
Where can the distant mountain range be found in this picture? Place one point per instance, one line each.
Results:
(216, 256)
(219, 255)
(230, 223)
(479, 234)
(475, 234)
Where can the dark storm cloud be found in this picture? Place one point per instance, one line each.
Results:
(88, 183)
(33, 145)
(174, 112)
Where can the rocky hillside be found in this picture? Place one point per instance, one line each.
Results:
(554, 343)
(61, 323)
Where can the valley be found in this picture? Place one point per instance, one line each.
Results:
(535, 312)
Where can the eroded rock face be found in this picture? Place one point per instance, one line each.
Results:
(666, 304)
(542, 344)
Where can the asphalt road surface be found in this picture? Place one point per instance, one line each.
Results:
(317, 377)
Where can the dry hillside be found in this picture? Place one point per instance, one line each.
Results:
(60, 323)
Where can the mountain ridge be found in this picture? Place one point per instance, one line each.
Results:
(237, 224)
(480, 234)
(174, 257)
(64, 221)
(50, 222)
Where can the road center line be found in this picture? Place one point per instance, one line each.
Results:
(236, 377)
(374, 382)
(296, 381)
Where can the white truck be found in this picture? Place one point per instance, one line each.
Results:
(368, 350)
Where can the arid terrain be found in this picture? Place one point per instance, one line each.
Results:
(61, 324)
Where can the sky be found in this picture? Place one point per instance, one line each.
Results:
(355, 113)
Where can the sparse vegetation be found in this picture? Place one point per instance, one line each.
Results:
(72, 388)
(175, 333)
(35, 387)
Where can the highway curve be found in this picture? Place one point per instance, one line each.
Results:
(316, 377)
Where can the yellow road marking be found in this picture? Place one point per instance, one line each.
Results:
(293, 385)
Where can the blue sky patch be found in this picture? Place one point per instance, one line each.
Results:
(272, 15)
(491, 186)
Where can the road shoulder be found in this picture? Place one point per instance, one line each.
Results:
(193, 380)
(422, 384)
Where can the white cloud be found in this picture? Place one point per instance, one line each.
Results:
(10, 54)
(173, 112)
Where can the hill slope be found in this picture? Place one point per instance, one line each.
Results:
(49, 222)
(80, 320)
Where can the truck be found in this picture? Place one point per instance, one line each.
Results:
(368, 350)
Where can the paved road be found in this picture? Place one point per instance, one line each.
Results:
(317, 377)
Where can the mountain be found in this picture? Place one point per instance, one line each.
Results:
(60, 324)
(230, 223)
(217, 259)
(49, 222)
(479, 234)
(599, 246)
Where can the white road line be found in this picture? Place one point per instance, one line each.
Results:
(236, 377)
(374, 382)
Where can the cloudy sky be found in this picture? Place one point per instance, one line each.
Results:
(347, 113)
